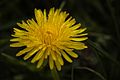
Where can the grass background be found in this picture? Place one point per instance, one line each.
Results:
(101, 61)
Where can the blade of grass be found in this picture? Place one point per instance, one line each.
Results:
(72, 73)
(55, 74)
(100, 50)
(114, 19)
(100, 62)
(14, 61)
(93, 71)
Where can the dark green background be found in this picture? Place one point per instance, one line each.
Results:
(101, 61)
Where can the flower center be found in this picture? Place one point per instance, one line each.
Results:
(48, 38)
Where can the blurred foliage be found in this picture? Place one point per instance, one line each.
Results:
(101, 61)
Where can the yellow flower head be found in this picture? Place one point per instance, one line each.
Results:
(53, 37)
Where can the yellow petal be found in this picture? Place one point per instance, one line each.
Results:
(75, 26)
(60, 59)
(15, 39)
(16, 45)
(79, 39)
(63, 27)
(71, 53)
(50, 15)
(39, 16)
(57, 17)
(40, 62)
(19, 35)
(45, 17)
(53, 55)
(67, 21)
(33, 24)
(24, 51)
(61, 46)
(38, 55)
(66, 56)
(32, 52)
(18, 30)
(51, 63)
(79, 31)
(23, 25)
(79, 35)
(31, 27)
(56, 50)
(71, 22)
(58, 65)
(47, 52)
(77, 46)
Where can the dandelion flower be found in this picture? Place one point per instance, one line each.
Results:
(53, 37)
